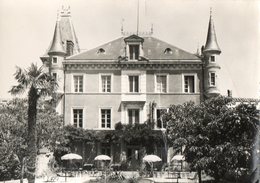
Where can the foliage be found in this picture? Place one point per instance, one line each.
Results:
(13, 133)
(49, 126)
(12, 138)
(70, 135)
(141, 134)
(216, 137)
(118, 178)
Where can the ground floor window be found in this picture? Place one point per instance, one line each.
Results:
(78, 117)
(159, 114)
(106, 118)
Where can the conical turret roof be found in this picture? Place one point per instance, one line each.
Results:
(211, 43)
(56, 44)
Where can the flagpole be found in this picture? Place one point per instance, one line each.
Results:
(137, 17)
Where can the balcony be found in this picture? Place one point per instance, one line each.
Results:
(133, 97)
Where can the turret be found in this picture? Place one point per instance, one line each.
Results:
(63, 44)
(57, 54)
(210, 52)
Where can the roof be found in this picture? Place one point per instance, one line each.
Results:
(211, 43)
(67, 32)
(56, 45)
(153, 49)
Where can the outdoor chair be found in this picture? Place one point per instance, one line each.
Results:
(95, 172)
(52, 178)
(193, 176)
(161, 170)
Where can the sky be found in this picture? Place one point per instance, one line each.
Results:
(27, 26)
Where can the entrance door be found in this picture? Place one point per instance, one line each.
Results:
(133, 157)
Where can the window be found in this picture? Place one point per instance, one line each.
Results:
(54, 75)
(160, 122)
(134, 52)
(78, 84)
(212, 76)
(212, 58)
(106, 118)
(133, 116)
(133, 83)
(189, 84)
(161, 83)
(54, 60)
(106, 83)
(78, 117)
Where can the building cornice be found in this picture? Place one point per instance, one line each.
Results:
(176, 65)
(144, 93)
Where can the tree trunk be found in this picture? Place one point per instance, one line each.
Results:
(254, 177)
(199, 175)
(22, 169)
(32, 136)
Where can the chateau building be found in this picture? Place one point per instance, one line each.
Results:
(120, 80)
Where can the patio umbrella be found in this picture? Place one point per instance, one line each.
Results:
(102, 158)
(71, 156)
(152, 159)
(178, 158)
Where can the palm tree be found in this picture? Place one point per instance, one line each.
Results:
(37, 83)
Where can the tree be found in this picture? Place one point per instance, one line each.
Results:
(12, 138)
(216, 137)
(13, 134)
(37, 83)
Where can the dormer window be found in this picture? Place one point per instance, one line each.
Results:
(168, 51)
(134, 47)
(101, 51)
(133, 52)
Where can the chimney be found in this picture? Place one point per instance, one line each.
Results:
(202, 49)
(229, 93)
(70, 48)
